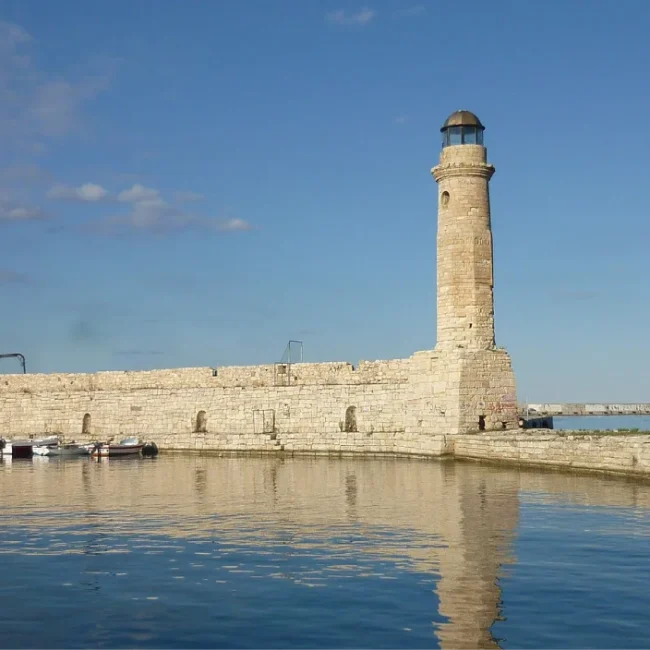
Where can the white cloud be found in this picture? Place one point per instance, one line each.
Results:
(360, 18)
(152, 213)
(159, 217)
(89, 192)
(188, 197)
(92, 192)
(234, 225)
(148, 211)
(12, 212)
(17, 183)
(138, 193)
(36, 107)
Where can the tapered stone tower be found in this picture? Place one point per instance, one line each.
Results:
(466, 383)
(465, 275)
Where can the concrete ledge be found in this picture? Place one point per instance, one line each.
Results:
(626, 454)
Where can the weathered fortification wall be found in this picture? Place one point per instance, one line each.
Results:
(401, 407)
(174, 404)
(299, 406)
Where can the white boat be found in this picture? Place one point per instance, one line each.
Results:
(68, 449)
(24, 448)
(126, 447)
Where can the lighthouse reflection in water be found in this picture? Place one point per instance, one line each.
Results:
(206, 551)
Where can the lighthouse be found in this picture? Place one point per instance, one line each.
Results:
(465, 384)
(465, 299)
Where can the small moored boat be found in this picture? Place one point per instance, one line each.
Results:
(24, 448)
(126, 447)
(68, 449)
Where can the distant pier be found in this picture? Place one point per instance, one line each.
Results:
(571, 408)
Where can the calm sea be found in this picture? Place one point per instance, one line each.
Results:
(186, 551)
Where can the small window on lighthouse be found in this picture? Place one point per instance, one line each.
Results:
(455, 135)
(444, 199)
(469, 135)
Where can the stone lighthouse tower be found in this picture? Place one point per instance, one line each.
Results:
(466, 384)
(465, 277)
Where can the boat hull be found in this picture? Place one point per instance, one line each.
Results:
(24, 448)
(60, 450)
(105, 451)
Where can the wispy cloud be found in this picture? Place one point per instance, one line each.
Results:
(234, 225)
(10, 211)
(138, 193)
(89, 192)
(358, 19)
(150, 212)
(35, 107)
(401, 119)
(159, 217)
(8, 276)
(17, 184)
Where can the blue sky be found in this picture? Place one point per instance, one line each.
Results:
(196, 183)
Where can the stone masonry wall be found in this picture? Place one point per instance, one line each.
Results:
(252, 401)
(452, 389)
(432, 393)
(404, 407)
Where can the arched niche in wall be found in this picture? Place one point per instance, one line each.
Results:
(351, 419)
(201, 422)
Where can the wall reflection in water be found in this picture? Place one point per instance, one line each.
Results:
(453, 523)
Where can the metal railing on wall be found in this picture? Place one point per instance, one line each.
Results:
(282, 368)
(16, 355)
(292, 345)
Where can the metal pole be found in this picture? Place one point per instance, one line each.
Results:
(18, 355)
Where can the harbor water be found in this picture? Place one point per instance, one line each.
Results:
(198, 551)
